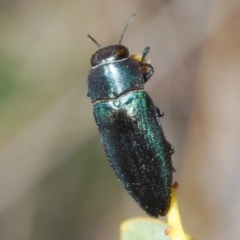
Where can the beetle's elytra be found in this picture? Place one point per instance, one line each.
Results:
(129, 125)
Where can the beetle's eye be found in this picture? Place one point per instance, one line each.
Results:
(120, 52)
(109, 54)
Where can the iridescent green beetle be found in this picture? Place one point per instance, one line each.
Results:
(129, 124)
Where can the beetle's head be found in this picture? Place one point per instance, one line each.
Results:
(109, 54)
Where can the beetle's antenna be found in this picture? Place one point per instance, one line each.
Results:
(124, 30)
(145, 52)
(99, 46)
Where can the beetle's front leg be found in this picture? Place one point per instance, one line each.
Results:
(147, 70)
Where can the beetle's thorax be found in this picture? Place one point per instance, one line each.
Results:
(113, 73)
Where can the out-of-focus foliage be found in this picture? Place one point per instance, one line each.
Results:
(143, 229)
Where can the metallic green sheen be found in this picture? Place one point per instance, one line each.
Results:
(137, 149)
(113, 79)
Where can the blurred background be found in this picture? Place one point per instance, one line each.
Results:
(55, 181)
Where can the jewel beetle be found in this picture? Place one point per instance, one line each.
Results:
(129, 125)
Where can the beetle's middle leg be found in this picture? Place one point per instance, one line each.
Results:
(159, 112)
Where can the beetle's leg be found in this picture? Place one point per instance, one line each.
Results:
(172, 150)
(148, 70)
(159, 112)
